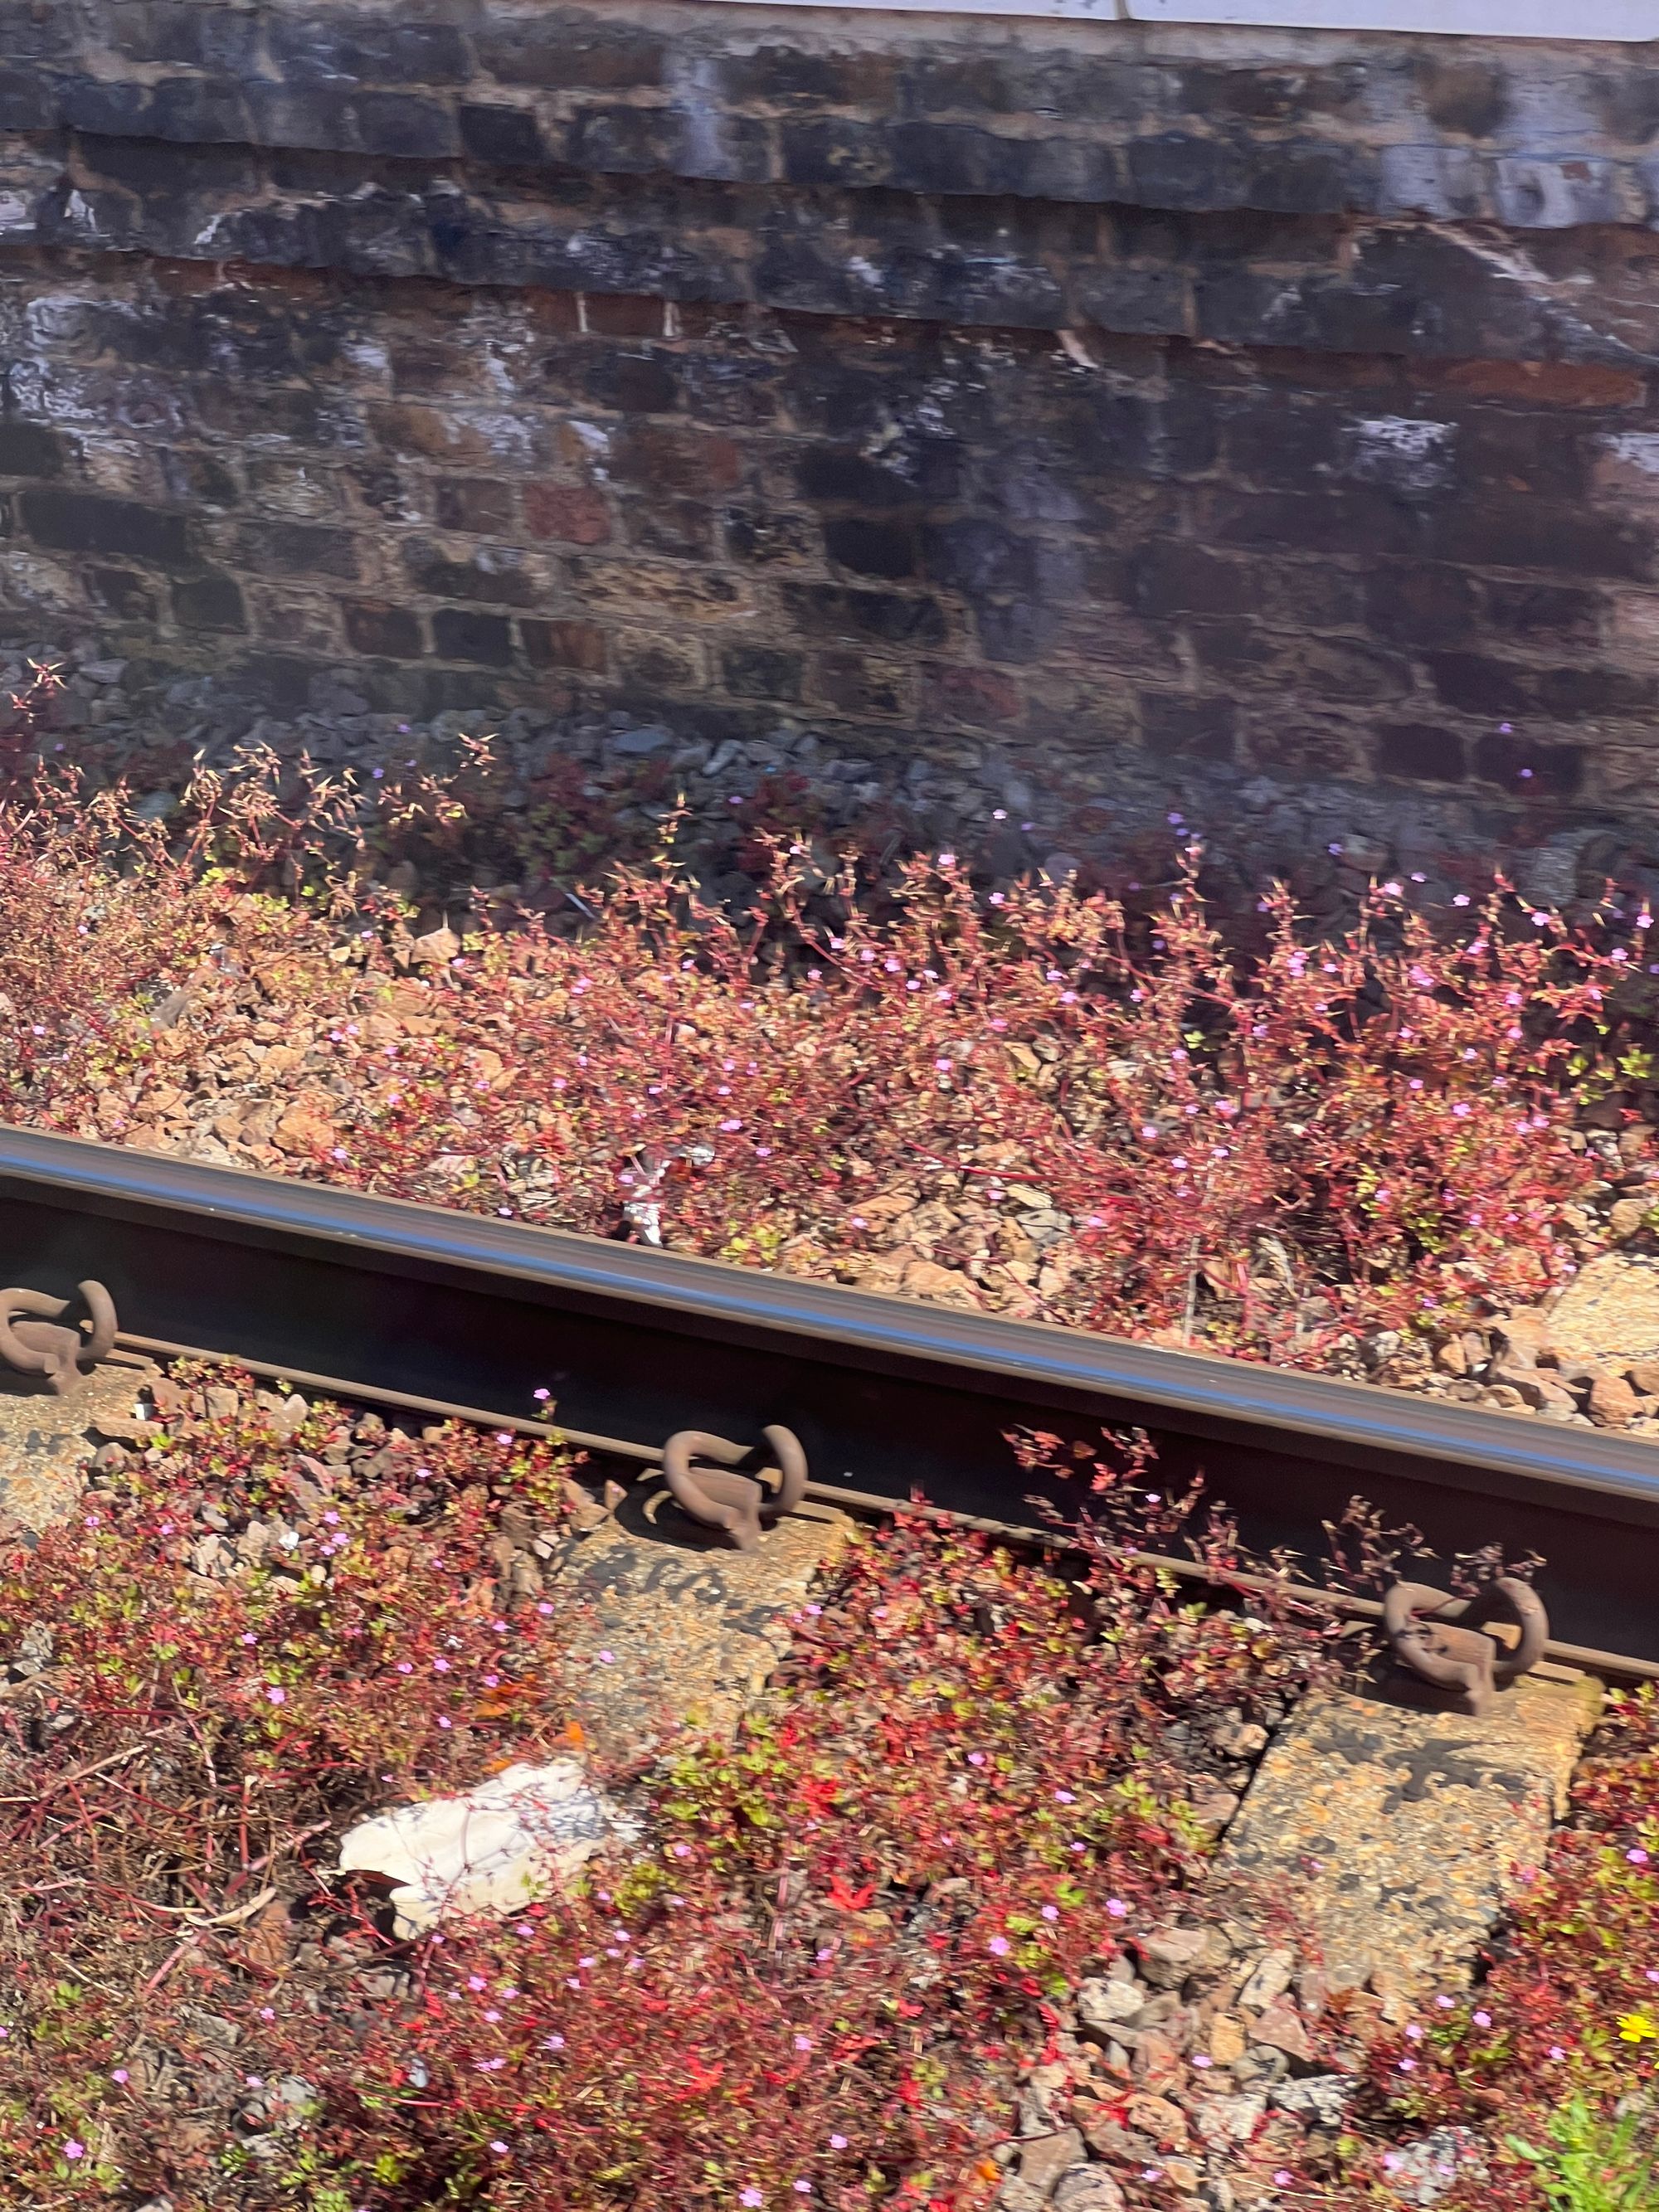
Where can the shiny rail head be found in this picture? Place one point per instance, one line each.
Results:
(1301, 1414)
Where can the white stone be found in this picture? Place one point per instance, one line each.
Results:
(1228, 2119)
(1101, 2005)
(1320, 2097)
(1269, 1981)
(490, 1851)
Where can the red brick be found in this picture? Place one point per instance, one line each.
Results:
(652, 660)
(557, 313)
(970, 695)
(575, 515)
(564, 645)
(655, 457)
(858, 684)
(622, 315)
(1538, 383)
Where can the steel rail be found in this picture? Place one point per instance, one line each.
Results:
(1615, 1664)
(403, 1295)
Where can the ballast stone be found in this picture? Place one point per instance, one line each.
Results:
(490, 1851)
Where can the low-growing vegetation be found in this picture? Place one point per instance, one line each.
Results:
(817, 1977)
(1019, 1101)
(849, 1936)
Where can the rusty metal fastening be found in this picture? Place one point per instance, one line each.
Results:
(738, 1503)
(41, 1344)
(1438, 1639)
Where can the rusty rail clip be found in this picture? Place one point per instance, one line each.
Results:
(1439, 1640)
(738, 1503)
(42, 1345)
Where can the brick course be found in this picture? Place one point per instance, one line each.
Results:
(1281, 402)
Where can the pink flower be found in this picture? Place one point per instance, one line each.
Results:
(1481, 2018)
(751, 2197)
(73, 2149)
(1117, 1908)
(1637, 1857)
(837, 2143)
(277, 1697)
(998, 1947)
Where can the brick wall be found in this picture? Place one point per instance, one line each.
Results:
(1209, 403)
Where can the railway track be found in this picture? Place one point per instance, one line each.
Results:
(448, 1313)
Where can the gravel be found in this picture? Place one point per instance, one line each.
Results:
(1200, 2064)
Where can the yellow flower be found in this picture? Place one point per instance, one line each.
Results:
(1636, 2027)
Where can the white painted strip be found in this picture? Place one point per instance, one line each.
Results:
(1094, 11)
(1625, 21)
